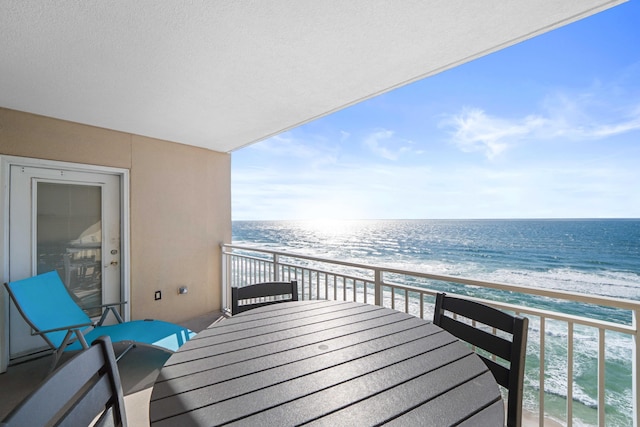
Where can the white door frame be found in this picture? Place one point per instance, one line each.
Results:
(5, 165)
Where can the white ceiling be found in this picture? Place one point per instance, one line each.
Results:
(225, 74)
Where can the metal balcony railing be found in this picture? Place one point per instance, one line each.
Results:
(572, 336)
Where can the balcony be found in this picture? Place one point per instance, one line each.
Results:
(588, 343)
(582, 364)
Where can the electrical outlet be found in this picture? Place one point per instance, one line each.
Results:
(158, 295)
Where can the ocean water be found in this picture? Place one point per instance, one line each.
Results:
(598, 256)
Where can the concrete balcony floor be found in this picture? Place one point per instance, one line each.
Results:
(138, 371)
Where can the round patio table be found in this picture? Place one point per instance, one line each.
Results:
(325, 363)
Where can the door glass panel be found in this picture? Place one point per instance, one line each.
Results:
(69, 238)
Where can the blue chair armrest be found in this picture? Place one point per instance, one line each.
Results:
(62, 328)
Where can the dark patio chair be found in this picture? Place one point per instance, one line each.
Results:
(510, 373)
(84, 388)
(48, 307)
(261, 294)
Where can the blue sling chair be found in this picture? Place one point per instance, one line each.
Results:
(47, 306)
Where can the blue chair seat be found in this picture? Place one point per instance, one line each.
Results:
(156, 333)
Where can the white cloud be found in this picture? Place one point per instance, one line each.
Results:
(592, 114)
(383, 143)
(607, 130)
(564, 117)
(474, 130)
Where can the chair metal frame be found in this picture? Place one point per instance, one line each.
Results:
(262, 294)
(511, 350)
(85, 388)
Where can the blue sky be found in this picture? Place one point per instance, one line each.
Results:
(548, 128)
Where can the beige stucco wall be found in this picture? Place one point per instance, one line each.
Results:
(180, 206)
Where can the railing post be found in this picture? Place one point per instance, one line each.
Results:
(276, 267)
(635, 370)
(226, 280)
(378, 286)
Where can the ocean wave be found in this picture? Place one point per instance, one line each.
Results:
(617, 284)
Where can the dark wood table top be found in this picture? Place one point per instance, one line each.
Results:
(325, 363)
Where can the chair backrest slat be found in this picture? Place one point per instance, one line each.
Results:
(75, 394)
(474, 324)
(261, 294)
(485, 340)
(482, 313)
(500, 372)
(84, 411)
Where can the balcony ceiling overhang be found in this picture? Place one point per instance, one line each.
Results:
(225, 74)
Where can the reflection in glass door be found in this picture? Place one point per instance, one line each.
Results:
(69, 239)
